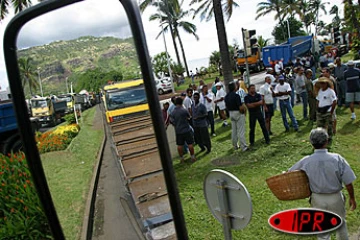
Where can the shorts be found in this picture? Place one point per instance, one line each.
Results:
(352, 97)
(184, 137)
(270, 111)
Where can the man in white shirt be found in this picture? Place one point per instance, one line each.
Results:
(266, 92)
(207, 98)
(283, 92)
(220, 101)
(188, 100)
(326, 103)
(300, 89)
(277, 68)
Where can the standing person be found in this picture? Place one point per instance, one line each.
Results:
(188, 100)
(220, 101)
(214, 90)
(352, 79)
(266, 92)
(326, 72)
(200, 124)
(298, 63)
(339, 75)
(326, 102)
(300, 89)
(254, 102)
(192, 77)
(207, 98)
(274, 81)
(180, 119)
(165, 112)
(241, 90)
(283, 92)
(277, 68)
(281, 63)
(237, 115)
(311, 95)
(327, 172)
(289, 78)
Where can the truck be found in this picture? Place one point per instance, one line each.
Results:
(9, 135)
(69, 98)
(293, 48)
(136, 150)
(254, 61)
(48, 110)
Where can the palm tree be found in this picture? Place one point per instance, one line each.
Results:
(265, 8)
(209, 8)
(18, 6)
(351, 15)
(290, 7)
(28, 74)
(262, 42)
(316, 6)
(336, 20)
(174, 18)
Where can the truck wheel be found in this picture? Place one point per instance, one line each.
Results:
(13, 144)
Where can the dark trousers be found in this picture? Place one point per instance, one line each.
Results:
(203, 137)
(257, 116)
(210, 119)
(312, 107)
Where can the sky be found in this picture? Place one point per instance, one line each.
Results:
(107, 18)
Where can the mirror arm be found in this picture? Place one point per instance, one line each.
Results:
(133, 14)
(18, 99)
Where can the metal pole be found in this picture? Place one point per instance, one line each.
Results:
(224, 208)
(288, 27)
(41, 89)
(71, 87)
(247, 82)
(168, 61)
(67, 86)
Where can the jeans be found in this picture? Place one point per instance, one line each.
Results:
(257, 116)
(292, 94)
(210, 119)
(285, 106)
(275, 103)
(238, 129)
(342, 92)
(304, 98)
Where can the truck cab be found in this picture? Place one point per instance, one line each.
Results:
(69, 98)
(254, 61)
(125, 99)
(48, 110)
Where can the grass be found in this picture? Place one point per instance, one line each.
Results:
(69, 173)
(349, 56)
(253, 167)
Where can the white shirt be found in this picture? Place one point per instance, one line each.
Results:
(208, 105)
(187, 103)
(277, 68)
(273, 83)
(267, 93)
(241, 92)
(220, 94)
(283, 88)
(326, 98)
(281, 65)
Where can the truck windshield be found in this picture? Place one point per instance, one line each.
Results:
(38, 103)
(67, 99)
(241, 54)
(125, 98)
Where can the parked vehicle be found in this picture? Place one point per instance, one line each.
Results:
(9, 135)
(69, 98)
(163, 86)
(254, 61)
(293, 48)
(48, 110)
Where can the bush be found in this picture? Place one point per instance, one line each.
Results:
(21, 214)
(70, 118)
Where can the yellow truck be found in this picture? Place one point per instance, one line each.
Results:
(47, 110)
(69, 98)
(254, 61)
(134, 141)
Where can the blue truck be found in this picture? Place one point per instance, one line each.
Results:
(9, 134)
(293, 48)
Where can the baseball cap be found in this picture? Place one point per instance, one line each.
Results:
(218, 84)
(281, 77)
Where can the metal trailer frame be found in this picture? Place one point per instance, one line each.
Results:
(31, 151)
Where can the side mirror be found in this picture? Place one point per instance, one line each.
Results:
(30, 145)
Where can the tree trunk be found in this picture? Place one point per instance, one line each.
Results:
(30, 88)
(223, 43)
(353, 17)
(183, 53)
(174, 42)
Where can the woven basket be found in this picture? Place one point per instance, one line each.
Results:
(290, 185)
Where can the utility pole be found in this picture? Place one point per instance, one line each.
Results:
(168, 61)
(288, 27)
(67, 86)
(41, 89)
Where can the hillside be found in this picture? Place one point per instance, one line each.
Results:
(66, 59)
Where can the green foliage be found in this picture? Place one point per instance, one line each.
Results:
(177, 69)
(160, 63)
(93, 80)
(70, 118)
(295, 30)
(21, 214)
(28, 74)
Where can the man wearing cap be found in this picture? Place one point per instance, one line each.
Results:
(266, 92)
(237, 116)
(220, 101)
(339, 75)
(352, 79)
(326, 103)
(283, 92)
(311, 95)
(327, 172)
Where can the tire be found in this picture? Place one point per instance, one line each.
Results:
(160, 91)
(12, 144)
